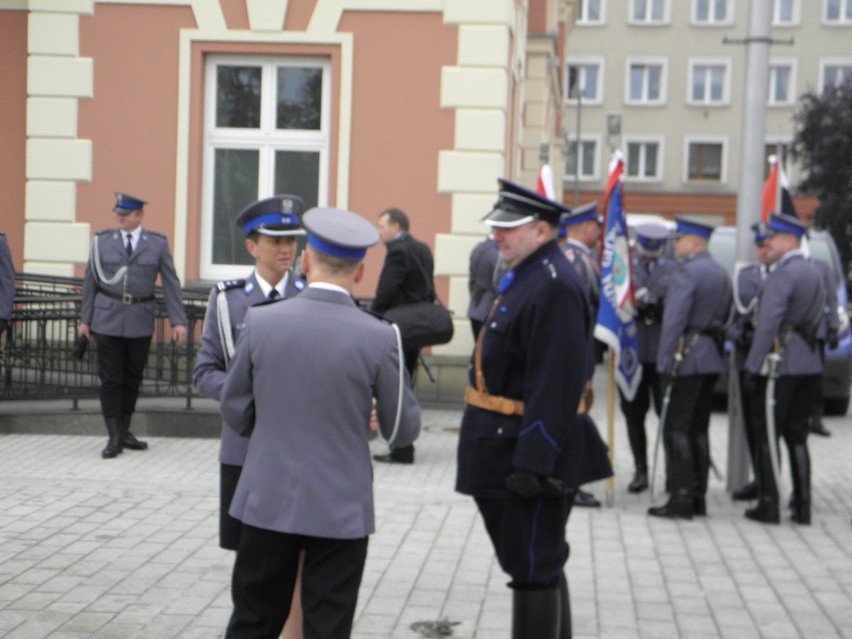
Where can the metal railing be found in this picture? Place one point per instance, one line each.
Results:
(36, 361)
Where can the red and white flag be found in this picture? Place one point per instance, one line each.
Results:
(544, 185)
(776, 192)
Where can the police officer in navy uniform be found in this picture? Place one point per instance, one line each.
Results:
(523, 448)
(651, 273)
(696, 308)
(302, 384)
(7, 283)
(118, 310)
(789, 312)
(271, 226)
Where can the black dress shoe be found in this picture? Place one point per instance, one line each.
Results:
(112, 449)
(639, 483)
(699, 506)
(585, 500)
(818, 429)
(766, 512)
(403, 455)
(746, 493)
(130, 442)
(673, 509)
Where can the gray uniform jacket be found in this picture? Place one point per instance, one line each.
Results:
(830, 319)
(792, 296)
(109, 316)
(211, 364)
(698, 300)
(650, 281)
(584, 262)
(7, 279)
(748, 280)
(301, 383)
(483, 277)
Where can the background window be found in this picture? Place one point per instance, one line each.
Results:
(648, 11)
(708, 84)
(705, 161)
(592, 11)
(643, 158)
(833, 75)
(784, 12)
(838, 11)
(266, 132)
(645, 82)
(780, 83)
(587, 76)
(588, 159)
(711, 11)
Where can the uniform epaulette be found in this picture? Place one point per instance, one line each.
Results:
(227, 285)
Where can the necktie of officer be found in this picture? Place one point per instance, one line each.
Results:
(273, 294)
(129, 246)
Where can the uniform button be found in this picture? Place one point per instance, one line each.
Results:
(493, 324)
(499, 431)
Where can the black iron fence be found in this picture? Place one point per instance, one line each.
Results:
(36, 361)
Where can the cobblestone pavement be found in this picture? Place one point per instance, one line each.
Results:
(127, 548)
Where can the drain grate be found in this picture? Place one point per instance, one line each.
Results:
(432, 629)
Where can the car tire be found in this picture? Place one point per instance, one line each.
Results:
(836, 406)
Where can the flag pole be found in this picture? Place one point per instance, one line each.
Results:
(610, 425)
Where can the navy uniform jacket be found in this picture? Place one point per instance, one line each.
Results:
(211, 364)
(698, 299)
(7, 279)
(650, 281)
(109, 316)
(301, 383)
(792, 296)
(535, 349)
(748, 280)
(402, 280)
(482, 279)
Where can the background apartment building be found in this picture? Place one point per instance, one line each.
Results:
(663, 80)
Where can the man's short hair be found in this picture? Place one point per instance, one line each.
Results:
(334, 264)
(396, 216)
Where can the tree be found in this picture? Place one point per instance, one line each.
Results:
(823, 147)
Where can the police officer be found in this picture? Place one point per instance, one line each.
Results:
(790, 308)
(307, 478)
(523, 448)
(484, 272)
(696, 307)
(118, 310)
(7, 283)
(827, 336)
(271, 227)
(748, 280)
(582, 229)
(651, 272)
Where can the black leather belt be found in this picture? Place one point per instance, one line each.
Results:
(127, 299)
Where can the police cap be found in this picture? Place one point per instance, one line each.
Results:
(779, 223)
(127, 204)
(339, 233)
(516, 206)
(761, 232)
(580, 214)
(651, 238)
(276, 216)
(689, 226)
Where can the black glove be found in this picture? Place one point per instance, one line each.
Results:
(524, 484)
(832, 339)
(747, 383)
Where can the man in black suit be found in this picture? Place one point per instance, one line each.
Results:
(406, 278)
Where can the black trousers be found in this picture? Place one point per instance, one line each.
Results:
(528, 536)
(229, 528)
(795, 396)
(265, 576)
(685, 431)
(121, 361)
(635, 410)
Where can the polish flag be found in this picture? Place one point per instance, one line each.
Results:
(776, 193)
(544, 185)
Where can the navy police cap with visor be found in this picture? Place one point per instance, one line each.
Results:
(127, 204)
(517, 206)
(276, 216)
(780, 223)
(651, 239)
(689, 226)
(339, 233)
(578, 215)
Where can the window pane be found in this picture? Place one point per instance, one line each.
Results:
(234, 186)
(785, 10)
(782, 84)
(590, 82)
(717, 83)
(633, 159)
(832, 10)
(637, 75)
(639, 9)
(594, 10)
(702, 9)
(721, 9)
(299, 98)
(712, 161)
(297, 172)
(655, 74)
(650, 160)
(588, 158)
(698, 83)
(657, 10)
(238, 97)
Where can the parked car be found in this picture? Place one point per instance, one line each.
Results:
(838, 361)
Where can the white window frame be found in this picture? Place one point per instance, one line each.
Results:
(726, 84)
(831, 62)
(698, 138)
(267, 140)
(842, 21)
(647, 61)
(583, 17)
(795, 11)
(792, 94)
(645, 139)
(596, 138)
(585, 62)
(712, 21)
(647, 21)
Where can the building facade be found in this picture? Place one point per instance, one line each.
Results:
(201, 106)
(663, 80)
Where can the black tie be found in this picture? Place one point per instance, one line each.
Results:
(129, 246)
(273, 294)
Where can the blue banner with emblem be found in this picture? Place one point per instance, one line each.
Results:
(616, 324)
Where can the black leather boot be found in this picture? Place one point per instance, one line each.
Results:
(701, 464)
(800, 464)
(766, 511)
(113, 447)
(536, 614)
(127, 439)
(680, 504)
(565, 631)
(640, 481)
